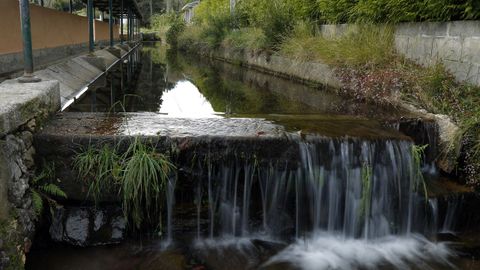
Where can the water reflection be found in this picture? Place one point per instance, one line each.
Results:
(228, 89)
(185, 100)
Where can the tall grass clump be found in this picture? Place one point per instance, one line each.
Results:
(100, 168)
(360, 45)
(143, 181)
(139, 176)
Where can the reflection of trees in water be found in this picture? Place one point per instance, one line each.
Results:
(151, 83)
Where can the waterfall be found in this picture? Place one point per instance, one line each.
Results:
(336, 200)
(357, 188)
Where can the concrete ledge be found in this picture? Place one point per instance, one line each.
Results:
(20, 102)
(76, 74)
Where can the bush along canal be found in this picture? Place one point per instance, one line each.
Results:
(200, 164)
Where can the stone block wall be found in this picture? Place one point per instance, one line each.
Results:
(455, 44)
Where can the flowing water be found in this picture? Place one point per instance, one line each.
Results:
(354, 198)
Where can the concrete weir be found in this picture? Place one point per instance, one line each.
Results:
(216, 138)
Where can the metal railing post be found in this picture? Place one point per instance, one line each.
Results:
(27, 43)
(129, 19)
(121, 23)
(110, 20)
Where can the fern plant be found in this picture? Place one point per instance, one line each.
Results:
(43, 189)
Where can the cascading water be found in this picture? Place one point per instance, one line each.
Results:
(342, 199)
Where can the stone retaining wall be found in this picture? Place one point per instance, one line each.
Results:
(455, 44)
(22, 108)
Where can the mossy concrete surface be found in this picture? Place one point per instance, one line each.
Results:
(20, 102)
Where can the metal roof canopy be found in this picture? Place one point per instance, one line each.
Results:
(117, 7)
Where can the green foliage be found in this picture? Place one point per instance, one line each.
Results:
(274, 17)
(177, 25)
(393, 11)
(43, 188)
(335, 11)
(144, 179)
(251, 38)
(139, 175)
(360, 45)
(99, 167)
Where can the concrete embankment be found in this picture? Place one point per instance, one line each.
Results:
(77, 74)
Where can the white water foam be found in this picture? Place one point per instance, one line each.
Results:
(324, 251)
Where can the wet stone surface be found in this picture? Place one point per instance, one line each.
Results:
(88, 226)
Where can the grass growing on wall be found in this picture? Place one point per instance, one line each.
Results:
(139, 176)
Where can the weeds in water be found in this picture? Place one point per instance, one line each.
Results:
(418, 153)
(44, 189)
(139, 175)
(367, 178)
(144, 179)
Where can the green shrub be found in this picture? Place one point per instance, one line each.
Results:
(251, 38)
(177, 26)
(275, 17)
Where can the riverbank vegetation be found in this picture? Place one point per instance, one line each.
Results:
(363, 55)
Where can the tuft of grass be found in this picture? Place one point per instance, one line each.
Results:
(139, 175)
(145, 176)
(99, 168)
(360, 45)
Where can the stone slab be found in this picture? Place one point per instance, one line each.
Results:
(20, 102)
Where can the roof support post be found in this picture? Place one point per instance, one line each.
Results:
(27, 43)
(129, 24)
(121, 22)
(110, 20)
(91, 38)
